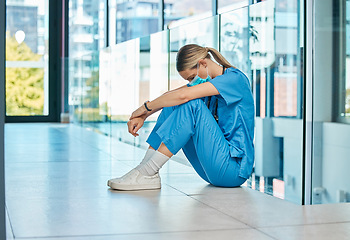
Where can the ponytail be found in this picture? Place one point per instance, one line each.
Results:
(189, 55)
(219, 58)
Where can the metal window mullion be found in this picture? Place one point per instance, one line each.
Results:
(214, 4)
(308, 110)
(107, 23)
(55, 13)
(339, 63)
(64, 57)
(2, 119)
(300, 66)
(161, 15)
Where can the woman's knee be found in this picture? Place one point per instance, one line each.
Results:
(230, 183)
(195, 102)
(165, 114)
(167, 111)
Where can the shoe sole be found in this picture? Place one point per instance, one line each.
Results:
(122, 187)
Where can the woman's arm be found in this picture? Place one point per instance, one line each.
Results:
(149, 113)
(176, 97)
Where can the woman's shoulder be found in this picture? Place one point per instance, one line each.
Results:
(235, 70)
(234, 73)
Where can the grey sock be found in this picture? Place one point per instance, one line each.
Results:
(152, 166)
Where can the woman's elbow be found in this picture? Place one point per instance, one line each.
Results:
(184, 98)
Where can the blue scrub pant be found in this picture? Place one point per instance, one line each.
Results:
(192, 127)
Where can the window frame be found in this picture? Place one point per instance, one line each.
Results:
(55, 34)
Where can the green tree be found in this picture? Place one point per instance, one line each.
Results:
(92, 93)
(24, 86)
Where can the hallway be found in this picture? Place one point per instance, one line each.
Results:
(56, 178)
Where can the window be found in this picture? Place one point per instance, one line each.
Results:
(331, 115)
(132, 19)
(229, 5)
(341, 64)
(27, 58)
(188, 10)
(86, 37)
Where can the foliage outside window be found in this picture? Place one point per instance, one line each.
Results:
(24, 86)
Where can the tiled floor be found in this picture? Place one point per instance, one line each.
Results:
(56, 189)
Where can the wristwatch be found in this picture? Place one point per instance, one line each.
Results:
(145, 103)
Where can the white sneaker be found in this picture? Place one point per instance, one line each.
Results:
(134, 180)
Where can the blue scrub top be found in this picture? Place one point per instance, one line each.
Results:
(236, 116)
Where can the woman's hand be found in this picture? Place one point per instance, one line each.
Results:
(140, 112)
(134, 125)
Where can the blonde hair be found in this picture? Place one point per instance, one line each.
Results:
(189, 55)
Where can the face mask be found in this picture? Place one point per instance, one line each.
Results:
(197, 80)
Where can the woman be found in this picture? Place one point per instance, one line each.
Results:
(211, 119)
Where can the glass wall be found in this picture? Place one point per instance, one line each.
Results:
(27, 58)
(129, 74)
(132, 19)
(203, 32)
(275, 55)
(90, 113)
(189, 10)
(124, 86)
(229, 5)
(235, 37)
(264, 40)
(331, 86)
(87, 30)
